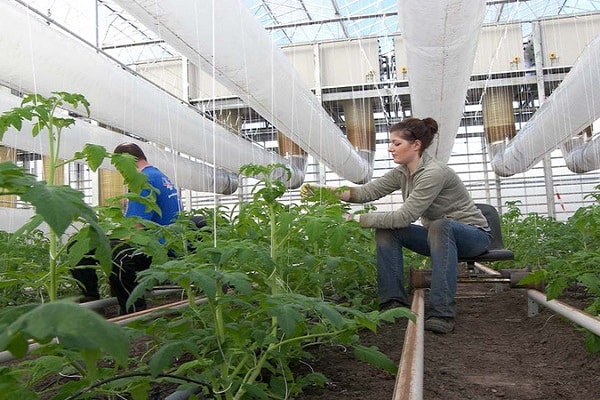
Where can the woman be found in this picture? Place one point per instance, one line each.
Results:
(452, 226)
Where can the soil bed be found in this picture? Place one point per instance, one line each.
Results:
(496, 352)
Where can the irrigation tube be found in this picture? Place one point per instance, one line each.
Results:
(409, 381)
(571, 313)
(102, 303)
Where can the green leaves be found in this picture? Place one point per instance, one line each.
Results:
(275, 278)
(562, 254)
(272, 178)
(125, 164)
(373, 356)
(74, 326)
(40, 111)
(13, 179)
(58, 205)
(93, 154)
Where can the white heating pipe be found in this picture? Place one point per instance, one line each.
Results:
(229, 41)
(38, 58)
(186, 173)
(409, 381)
(441, 41)
(571, 313)
(582, 156)
(573, 106)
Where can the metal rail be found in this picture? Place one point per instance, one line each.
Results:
(571, 313)
(409, 381)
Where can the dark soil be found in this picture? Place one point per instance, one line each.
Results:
(496, 352)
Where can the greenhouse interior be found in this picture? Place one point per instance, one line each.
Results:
(211, 88)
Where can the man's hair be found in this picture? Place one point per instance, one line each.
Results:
(130, 148)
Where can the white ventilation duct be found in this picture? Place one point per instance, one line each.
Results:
(184, 172)
(244, 59)
(573, 106)
(441, 40)
(581, 153)
(36, 57)
(296, 156)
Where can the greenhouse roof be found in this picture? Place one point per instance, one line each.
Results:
(105, 24)
(298, 21)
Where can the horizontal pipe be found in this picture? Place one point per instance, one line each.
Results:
(127, 318)
(409, 381)
(103, 303)
(571, 313)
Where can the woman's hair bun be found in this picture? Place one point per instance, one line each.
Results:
(431, 124)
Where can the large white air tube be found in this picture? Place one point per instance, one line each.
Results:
(441, 41)
(573, 105)
(582, 155)
(225, 38)
(38, 58)
(185, 173)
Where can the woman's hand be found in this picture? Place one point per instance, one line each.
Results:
(308, 190)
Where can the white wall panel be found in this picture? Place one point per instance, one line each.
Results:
(497, 48)
(303, 60)
(566, 38)
(349, 63)
(400, 53)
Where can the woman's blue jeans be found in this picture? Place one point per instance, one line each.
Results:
(444, 241)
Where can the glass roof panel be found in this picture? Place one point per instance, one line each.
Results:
(301, 21)
(287, 21)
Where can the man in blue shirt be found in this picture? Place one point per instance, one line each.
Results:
(127, 261)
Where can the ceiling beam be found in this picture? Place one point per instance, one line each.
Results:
(331, 20)
(337, 13)
(274, 18)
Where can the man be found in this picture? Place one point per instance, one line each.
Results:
(127, 261)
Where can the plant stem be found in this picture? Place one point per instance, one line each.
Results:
(53, 287)
(254, 372)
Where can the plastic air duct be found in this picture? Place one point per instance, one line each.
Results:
(441, 40)
(224, 37)
(581, 153)
(573, 105)
(360, 126)
(296, 156)
(184, 172)
(36, 57)
(498, 118)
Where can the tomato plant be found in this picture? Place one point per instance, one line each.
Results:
(276, 278)
(561, 254)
